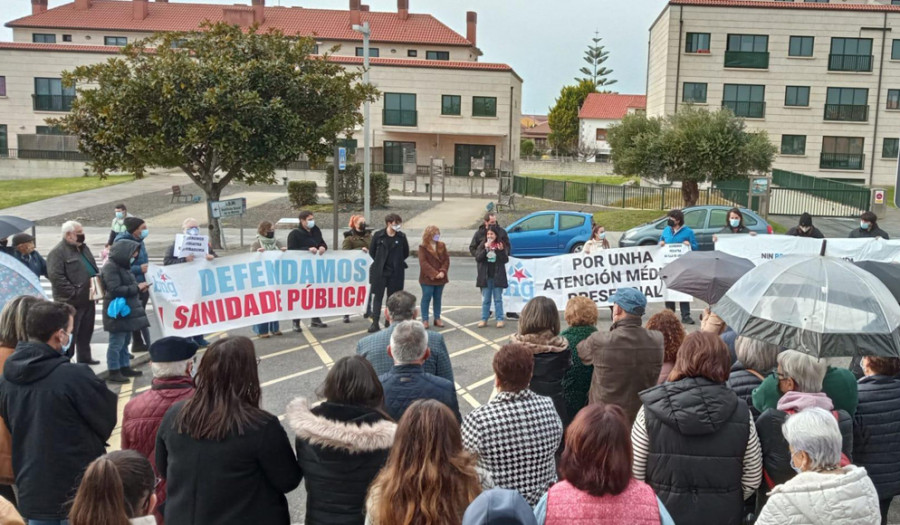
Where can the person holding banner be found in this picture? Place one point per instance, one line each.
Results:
(266, 242)
(492, 256)
(868, 228)
(190, 227)
(307, 237)
(358, 237)
(389, 250)
(805, 228)
(676, 232)
(735, 224)
(598, 240)
(434, 264)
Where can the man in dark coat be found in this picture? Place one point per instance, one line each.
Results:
(490, 219)
(806, 229)
(307, 237)
(27, 255)
(389, 251)
(868, 228)
(59, 414)
(136, 230)
(120, 284)
(70, 266)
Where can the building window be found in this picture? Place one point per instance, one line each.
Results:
(451, 105)
(373, 52)
(842, 153)
(745, 100)
(437, 55)
(694, 93)
(847, 104)
(400, 109)
(601, 135)
(889, 148)
(484, 106)
(67, 38)
(115, 41)
(747, 51)
(697, 43)
(315, 49)
(793, 144)
(412, 53)
(796, 96)
(43, 38)
(463, 154)
(4, 142)
(893, 99)
(895, 49)
(48, 130)
(2, 86)
(801, 46)
(50, 95)
(396, 153)
(850, 54)
(895, 2)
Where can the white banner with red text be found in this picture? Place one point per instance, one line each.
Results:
(202, 296)
(762, 248)
(596, 276)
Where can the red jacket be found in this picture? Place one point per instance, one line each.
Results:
(142, 418)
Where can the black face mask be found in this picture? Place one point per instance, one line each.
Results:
(362, 227)
(4, 242)
(79, 238)
(671, 223)
(270, 235)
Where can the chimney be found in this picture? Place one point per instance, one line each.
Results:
(38, 6)
(364, 8)
(82, 5)
(259, 11)
(471, 26)
(162, 1)
(403, 9)
(138, 9)
(354, 13)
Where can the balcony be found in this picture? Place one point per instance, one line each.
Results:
(746, 109)
(747, 59)
(850, 63)
(400, 117)
(53, 102)
(847, 112)
(842, 161)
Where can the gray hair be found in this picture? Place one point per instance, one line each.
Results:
(69, 226)
(815, 431)
(189, 220)
(806, 371)
(756, 355)
(408, 342)
(12, 320)
(171, 369)
(402, 306)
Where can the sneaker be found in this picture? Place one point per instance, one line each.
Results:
(264, 336)
(687, 320)
(512, 315)
(297, 327)
(482, 324)
(131, 372)
(500, 324)
(138, 347)
(346, 318)
(374, 328)
(115, 376)
(317, 323)
(277, 332)
(91, 362)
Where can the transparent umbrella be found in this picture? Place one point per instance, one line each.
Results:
(823, 306)
(17, 279)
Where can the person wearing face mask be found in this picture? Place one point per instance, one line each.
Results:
(868, 227)
(434, 265)
(389, 250)
(676, 232)
(190, 226)
(116, 488)
(136, 230)
(358, 237)
(70, 267)
(597, 242)
(734, 224)
(128, 315)
(805, 228)
(307, 237)
(27, 255)
(118, 223)
(266, 242)
(59, 413)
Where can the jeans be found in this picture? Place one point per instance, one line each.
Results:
(430, 293)
(265, 328)
(486, 293)
(685, 308)
(47, 522)
(117, 353)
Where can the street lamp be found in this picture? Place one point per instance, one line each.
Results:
(367, 174)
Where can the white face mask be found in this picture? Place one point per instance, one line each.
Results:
(310, 224)
(397, 227)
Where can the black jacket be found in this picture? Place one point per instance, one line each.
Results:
(389, 260)
(698, 434)
(405, 384)
(857, 233)
(119, 281)
(813, 233)
(170, 259)
(742, 383)
(302, 239)
(740, 229)
(876, 432)
(67, 269)
(340, 449)
(498, 267)
(239, 480)
(481, 236)
(34, 261)
(60, 416)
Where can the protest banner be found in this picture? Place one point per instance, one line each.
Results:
(247, 289)
(196, 245)
(879, 250)
(596, 276)
(762, 248)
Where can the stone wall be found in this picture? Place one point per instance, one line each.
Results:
(533, 167)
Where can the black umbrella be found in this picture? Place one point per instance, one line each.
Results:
(10, 225)
(705, 275)
(887, 273)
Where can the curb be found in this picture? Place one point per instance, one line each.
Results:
(140, 359)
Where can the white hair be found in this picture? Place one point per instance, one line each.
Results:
(816, 432)
(756, 355)
(171, 369)
(408, 342)
(189, 220)
(806, 371)
(69, 226)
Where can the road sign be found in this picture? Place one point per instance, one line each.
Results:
(342, 159)
(879, 197)
(228, 208)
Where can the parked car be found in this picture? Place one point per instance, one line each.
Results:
(706, 221)
(546, 233)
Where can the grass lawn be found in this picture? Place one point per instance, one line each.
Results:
(889, 196)
(16, 192)
(621, 220)
(600, 179)
(777, 228)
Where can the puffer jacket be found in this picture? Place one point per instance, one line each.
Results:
(6, 471)
(140, 260)
(340, 449)
(815, 498)
(743, 382)
(876, 432)
(119, 281)
(551, 362)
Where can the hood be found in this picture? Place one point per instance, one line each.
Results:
(499, 507)
(853, 484)
(796, 401)
(358, 433)
(542, 342)
(693, 406)
(121, 251)
(32, 361)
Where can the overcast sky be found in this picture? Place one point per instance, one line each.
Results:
(543, 40)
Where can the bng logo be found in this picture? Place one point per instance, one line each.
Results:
(521, 282)
(163, 284)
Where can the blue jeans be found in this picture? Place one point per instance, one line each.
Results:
(486, 293)
(117, 352)
(265, 328)
(47, 522)
(430, 293)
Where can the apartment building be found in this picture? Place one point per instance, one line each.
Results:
(598, 113)
(438, 99)
(823, 79)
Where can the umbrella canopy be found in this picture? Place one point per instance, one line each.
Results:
(887, 273)
(705, 275)
(10, 225)
(17, 279)
(824, 306)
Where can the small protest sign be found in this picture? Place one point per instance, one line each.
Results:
(196, 245)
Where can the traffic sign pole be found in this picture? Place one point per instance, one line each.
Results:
(340, 155)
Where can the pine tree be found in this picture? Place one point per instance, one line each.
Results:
(595, 55)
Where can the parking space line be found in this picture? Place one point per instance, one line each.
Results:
(115, 440)
(286, 351)
(318, 348)
(474, 334)
(290, 376)
(464, 393)
(483, 382)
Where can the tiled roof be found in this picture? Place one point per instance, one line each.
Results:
(541, 130)
(173, 16)
(610, 105)
(797, 4)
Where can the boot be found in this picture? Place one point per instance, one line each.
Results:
(297, 327)
(374, 327)
(115, 376)
(317, 323)
(346, 318)
(131, 372)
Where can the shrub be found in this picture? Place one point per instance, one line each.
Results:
(349, 183)
(302, 193)
(380, 189)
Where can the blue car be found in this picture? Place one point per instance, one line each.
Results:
(546, 233)
(706, 221)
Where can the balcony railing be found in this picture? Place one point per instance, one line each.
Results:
(747, 59)
(849, 62)
(842, 161)
(849, 112)
(400, 117)
(746, 109)
(53, 102)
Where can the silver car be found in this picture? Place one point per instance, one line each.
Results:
(706, 221)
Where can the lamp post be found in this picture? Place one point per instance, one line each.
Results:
(367, 168)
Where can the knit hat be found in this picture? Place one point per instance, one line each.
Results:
(21, 238)
(806, 220)
(132, 223)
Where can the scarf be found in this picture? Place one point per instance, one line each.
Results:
(267, 243)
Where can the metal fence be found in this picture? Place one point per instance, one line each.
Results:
(34, 154)
(798, 193)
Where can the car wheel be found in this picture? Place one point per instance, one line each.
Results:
(577, 248)
(649, 243)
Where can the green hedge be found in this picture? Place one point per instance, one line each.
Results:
(380, 189)
(302, 193)
(349, 183)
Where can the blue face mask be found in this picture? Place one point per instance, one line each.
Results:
(65, 347)
(131, 260)
(310, 224)
(734, 222)
(601, 235)
(193, 231)
(144, 233)
(119, 215)
(863, 225)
